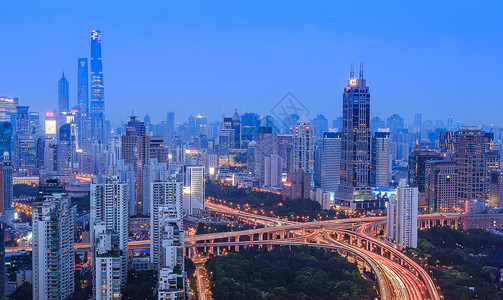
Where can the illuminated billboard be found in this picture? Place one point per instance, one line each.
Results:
(50, 127)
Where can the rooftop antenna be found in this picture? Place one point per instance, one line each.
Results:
(361, 70)
(352, 72)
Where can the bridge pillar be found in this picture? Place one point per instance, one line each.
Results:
(218, 251)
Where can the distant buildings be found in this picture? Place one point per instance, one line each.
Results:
(402, 216)
(63, 99)
(303, 146)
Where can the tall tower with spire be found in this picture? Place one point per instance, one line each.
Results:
(355, 140)
(63, 99)
(97, 110)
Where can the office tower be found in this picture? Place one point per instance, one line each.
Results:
(97, 110)
(108, 264)
(330, 161)
(158, 150)
(171, 260)
(250, 122)
(395, 123)
(22, 120)
(234, 123)
(355, 140)
(136, 151)
(442, 187)
(376, 123)
(34, 124)
(320, 125)
(285, 150)
(6, 192)
(250, 157)
(3, 275)
(495, 198)
(266, 145)
(446, 141)
(381, 158)
(402, 216)
(193, 190)
(153, 171)
(8, 108)
(63, 99)
(418, 120)
(297, 185)
(53, 225)
(303, 146)
(110, 209)
(417, 166)
(337, 124)
(83, 97)
(163, 193)
(25, 154)
(5, 137)
(65, 150)
(272, 171)
(470, 155)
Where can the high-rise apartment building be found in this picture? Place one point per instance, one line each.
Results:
(53, 225)
(136, 151)
(381, 158)
(97, 109)
(107, 269)
(442, 186)
(109, 213)
(402, 216)
(165, 193)
(193, 189)
(303, 146)
(63, 99)
(153, 171)
(330, 161)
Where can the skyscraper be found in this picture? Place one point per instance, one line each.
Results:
(355, 141)
(193, 190)
(3, 275)
(266, 145)
(8, 108)
(136, 151)
(6, 180)
(163, 193)
(107, 278)
(65, 150)
(97, 110)
(5, 137)
(53, 227)
(83, 97)
(63, 99)
(109, 209)
(153, 171)
(442, 186)
(303, 146)
(470, 148)
(272, 171)
(234, 123)
(381, 158)
(331, 161)
(402, 216)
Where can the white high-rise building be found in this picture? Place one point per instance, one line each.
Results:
(331, 161)
(402, 216)
(163, 193)
(193, 189)
(53, 254)
(153, 171)
(107, 265)
(125, 174)
(110, 208)
(303, 146)
(273, 171)
(171, 260)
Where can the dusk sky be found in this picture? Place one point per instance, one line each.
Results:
(209, 57)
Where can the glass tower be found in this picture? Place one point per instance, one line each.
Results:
(97, 111)
(63, 99)
(82, 97)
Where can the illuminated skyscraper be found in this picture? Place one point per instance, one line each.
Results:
(63, 99)
(331, 161)
(136, 151)
(381, 158)
(402, 216)
(355, 144)
(97, 111)
(83, 97)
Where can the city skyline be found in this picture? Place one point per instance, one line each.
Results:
(230, 58)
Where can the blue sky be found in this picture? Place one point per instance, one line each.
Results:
(209, 57)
